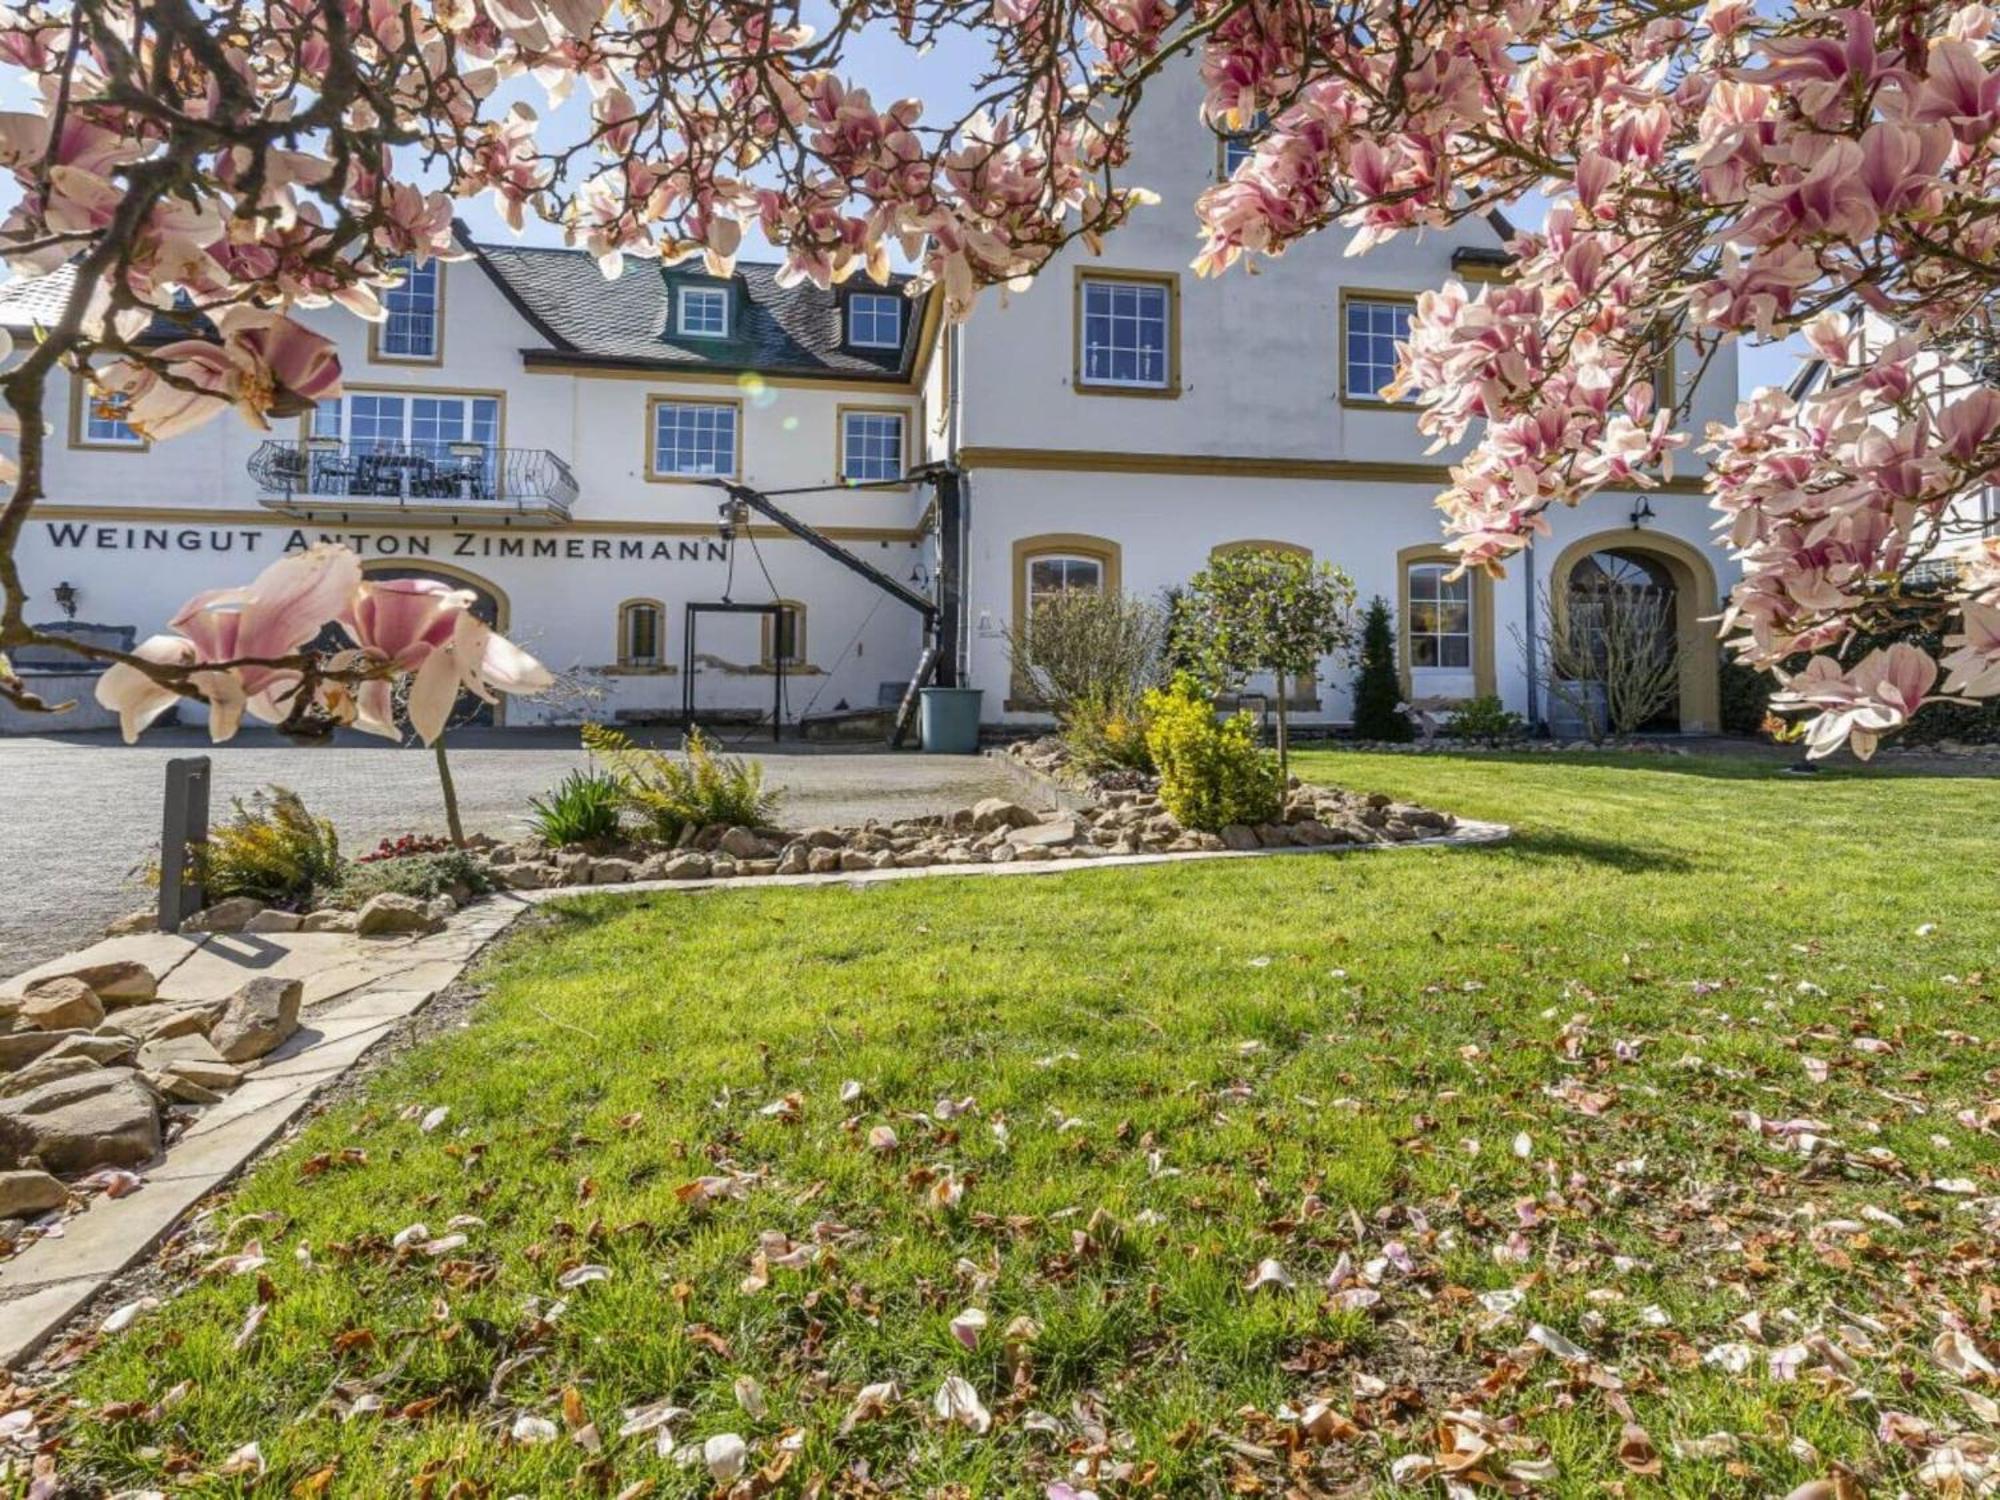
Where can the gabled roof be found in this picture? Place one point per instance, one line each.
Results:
(626, 322)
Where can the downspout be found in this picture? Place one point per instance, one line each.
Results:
(1528, 635)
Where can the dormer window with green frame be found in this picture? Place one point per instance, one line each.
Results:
(701, 312)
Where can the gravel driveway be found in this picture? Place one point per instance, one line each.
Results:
(85, 809)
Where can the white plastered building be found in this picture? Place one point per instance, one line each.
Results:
(528, 430)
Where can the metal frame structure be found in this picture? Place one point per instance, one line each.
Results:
(694, 612)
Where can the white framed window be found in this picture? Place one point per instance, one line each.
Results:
(1057, 575)
(100, 421)
(871, 446)
(641, 641)
(1127, 335)
(702, 312)
(693, 439)
(875, 320)
(1371, 327)
(411, 329)
(406, 443)
(1440, 623)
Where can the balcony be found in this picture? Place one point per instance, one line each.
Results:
(450, 484)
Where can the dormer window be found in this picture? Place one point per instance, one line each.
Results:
(702, 312)
(875, 320)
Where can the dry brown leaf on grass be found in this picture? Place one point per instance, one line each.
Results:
(1636, 1451)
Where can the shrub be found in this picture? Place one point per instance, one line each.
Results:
(583, 809)
(1746, 697)
(1103, 736)
(1486, 721)
(419, 875)
(699, 789)
(1089, 648)
(1211, 772)
(1378, 687)
(271, 849)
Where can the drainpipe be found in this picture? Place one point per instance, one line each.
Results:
(1528, 635)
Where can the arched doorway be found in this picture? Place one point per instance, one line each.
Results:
(1673, 574)
(489, 604)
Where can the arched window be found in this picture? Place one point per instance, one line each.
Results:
(642, 633)
(1444, 626)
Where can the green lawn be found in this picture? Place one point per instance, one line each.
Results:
(1532, 1069)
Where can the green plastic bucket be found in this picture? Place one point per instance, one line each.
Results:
(948, 720)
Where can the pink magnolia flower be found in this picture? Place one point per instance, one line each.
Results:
(403, 623)
(1858, 705)
(265, 365)
(280, 612)
(1975, 665)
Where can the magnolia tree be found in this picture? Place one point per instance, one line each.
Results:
(1714, 172)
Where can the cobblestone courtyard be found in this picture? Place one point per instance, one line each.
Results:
(86, 812)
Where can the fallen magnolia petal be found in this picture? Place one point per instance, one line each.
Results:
(434, 1118)
(882, 1138)
(850, 1091)
(870, 1403)
(1715, 1445)
(750, 1396)
(249, 1258)
(724, 1455)
(1269, 1273)
(532, 1429)
(967, 1327)
(1958, 1355)
(122, 1318)
(114, 1182)
(1734, 1358)
(249, 1459)
(957, 1402)
(640, 1420)
(1636, 1451)
(1413, 1468)
(577, 1276)
(409, 1234)
(251, 1323)
(1556, 1344)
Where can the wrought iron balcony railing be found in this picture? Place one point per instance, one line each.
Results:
(321, 476)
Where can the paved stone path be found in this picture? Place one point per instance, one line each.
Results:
(83, 811)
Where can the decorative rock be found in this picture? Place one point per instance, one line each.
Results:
(688, 866)
(151, 1023)
(822, 861)
(854, 859)
(229, 915)
(1003, 854)
(741, 843)
(1029, 853)
(796, 860)
(258, 1018)
(106, 1051)
(19, 1048)
(121, 981)
(192, 1058)
(61, 1004)
(44, 1069)
(175, 1089)
(1236, 836)
(820, 838)
(573, 867)
(328, 920)
(526, 877)
(440, 910)
(997, 812)
(757, 867)
(272, 920)
(27, 1193)
(103, 1118)
(390, 914)
(133, 922)
(1047, 835)
(721, 868)
(611, 871)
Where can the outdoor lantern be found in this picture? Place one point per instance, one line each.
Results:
(66, 599)
(1642, 512)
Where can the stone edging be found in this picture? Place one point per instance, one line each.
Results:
(1469, 833)
(52, 1280)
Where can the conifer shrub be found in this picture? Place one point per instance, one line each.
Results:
(1378, 687)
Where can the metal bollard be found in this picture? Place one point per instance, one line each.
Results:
(185, 823)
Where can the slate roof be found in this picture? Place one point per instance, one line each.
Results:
(625, 323)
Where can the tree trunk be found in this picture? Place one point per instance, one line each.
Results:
(451, 821)
(1284, 743)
